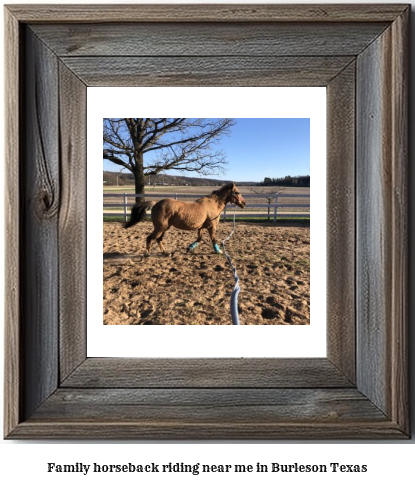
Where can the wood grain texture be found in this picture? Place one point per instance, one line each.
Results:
(13, 380)
(182, 39)
(56, 392)
(206, 13)
(209, 405)
(72, 222)
(374, 221)
(341, 236)
(382, 223)
(188, 430)
(400, 246)
(206, 373)
(207, 71)
(40, 177)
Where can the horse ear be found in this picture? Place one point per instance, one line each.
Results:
(233, 186)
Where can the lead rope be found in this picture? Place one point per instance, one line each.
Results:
(237, 289)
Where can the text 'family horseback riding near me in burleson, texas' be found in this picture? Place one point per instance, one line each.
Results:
(200, 468)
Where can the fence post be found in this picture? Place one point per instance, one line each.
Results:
(175, 196)
(275, 208)
(125, 208)
(224, 214)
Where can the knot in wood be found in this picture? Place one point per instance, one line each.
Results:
(46, 205)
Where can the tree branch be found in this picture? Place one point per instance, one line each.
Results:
(186, 145)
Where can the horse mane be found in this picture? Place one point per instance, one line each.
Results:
(224, 190)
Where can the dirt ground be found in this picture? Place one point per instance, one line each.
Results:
(273, 264)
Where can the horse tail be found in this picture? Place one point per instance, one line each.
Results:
(138, 213)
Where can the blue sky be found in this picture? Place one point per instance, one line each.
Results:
(259, 148)
(273, 148)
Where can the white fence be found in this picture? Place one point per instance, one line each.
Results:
(274, 210)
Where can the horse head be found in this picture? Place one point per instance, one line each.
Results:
(235, 196)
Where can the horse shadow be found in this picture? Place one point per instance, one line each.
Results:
(118, 258)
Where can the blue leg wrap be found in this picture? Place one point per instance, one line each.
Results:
(217, 249)
(193, 246)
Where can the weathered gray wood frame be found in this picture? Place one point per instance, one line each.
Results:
(359, 52)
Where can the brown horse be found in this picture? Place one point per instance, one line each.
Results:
(201, 214)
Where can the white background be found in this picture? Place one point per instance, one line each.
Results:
(208, 341)
(389, 463)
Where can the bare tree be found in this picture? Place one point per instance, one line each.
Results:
(148, 147)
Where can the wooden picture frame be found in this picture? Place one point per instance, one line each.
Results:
(360, 53)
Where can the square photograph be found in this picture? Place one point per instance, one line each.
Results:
(206, 221)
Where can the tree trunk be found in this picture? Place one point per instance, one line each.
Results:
(139, 176)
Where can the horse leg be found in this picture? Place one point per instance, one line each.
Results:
(157, 234)
(193, 246)
(160, 243)
(149, 241)
(212, 234)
